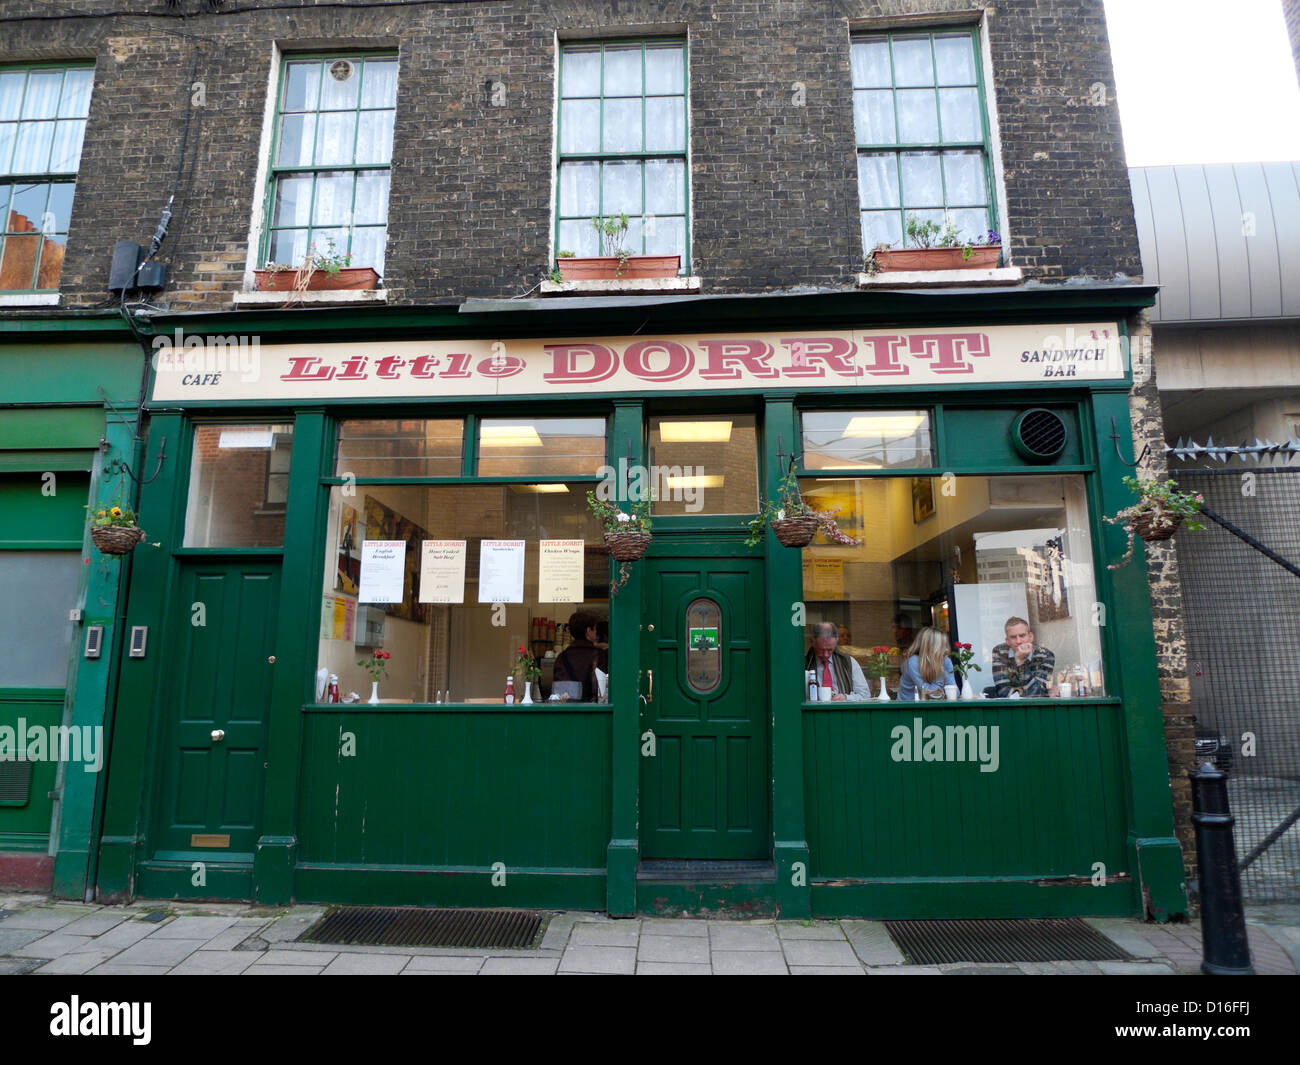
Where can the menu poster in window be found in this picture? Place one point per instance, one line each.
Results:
(383, 571)
(827, 578)
(384, 523)
(501, 571)
(340, 618)
(442, 571)
(327, 618)
(560, 569)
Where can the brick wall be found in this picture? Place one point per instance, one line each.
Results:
(774, 190)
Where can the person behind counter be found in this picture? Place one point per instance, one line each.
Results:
(579, 661)
(926, 668)
(1019, 666)
(833, 667)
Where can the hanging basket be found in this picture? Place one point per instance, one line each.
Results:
(795, 532)
(116, 539)
(1154, 525)
(627, 546)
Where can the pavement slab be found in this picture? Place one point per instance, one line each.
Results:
(614, 960)
(215, 963)
(668, 926)
(367, 965)
(77, 964)
(422, 964)
(155, 951)
(818, 930)
(673, 949)
(672, 968)
(94, 924)
(297, 957)
(826, 970)
(819, 952)
(43, 917)
(519, 967)
(11, 939)
(614, 934)
(282, 970)
(52, 945)
(204, 928)
(114, 968)
(871, 943)
(731, 935)
(749, 962)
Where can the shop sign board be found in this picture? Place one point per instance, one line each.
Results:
(850, 359)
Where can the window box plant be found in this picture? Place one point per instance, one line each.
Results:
(1159, 512)
(318, 272)
(929, 246)
(614, 262)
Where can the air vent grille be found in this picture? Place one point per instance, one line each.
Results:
(1039, 435)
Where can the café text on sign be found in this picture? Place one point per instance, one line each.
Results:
(1080, 352)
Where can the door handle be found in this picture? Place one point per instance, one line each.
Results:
(650, 677)
(218, 734)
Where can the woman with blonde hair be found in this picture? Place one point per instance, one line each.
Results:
(927, 669)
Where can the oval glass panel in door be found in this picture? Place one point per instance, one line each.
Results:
(703, 645)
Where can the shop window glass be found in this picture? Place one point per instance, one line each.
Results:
(438, 647)
(964, 555)
(234, 472)
(37, 638)
(43, 113)
(332, 159)
(399, 447)
(704, 464)
(870, 440)
(541, 447)
(622, 146)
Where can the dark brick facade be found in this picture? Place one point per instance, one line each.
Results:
(774, 194)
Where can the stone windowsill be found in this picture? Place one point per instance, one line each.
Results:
(1002, 275)
(29, 299)
(631, 286)
(327, 298)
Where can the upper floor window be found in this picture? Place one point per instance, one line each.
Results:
(922, 133)
(331, 159)
(42, 122)
(622, 146)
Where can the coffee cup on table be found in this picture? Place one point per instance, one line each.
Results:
(950, 691)
(824, 692)
(1066, 689)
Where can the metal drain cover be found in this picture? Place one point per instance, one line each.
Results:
(401, 926)
(1050, 939)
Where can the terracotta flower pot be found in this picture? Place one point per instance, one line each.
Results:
(893, 259)
(605, 267)
(348, 278)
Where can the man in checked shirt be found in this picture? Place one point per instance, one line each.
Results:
(1019, 666)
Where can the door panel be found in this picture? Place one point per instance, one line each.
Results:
(705, 793)
(218, 679)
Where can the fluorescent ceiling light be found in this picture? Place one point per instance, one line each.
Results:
(888, 426)
(866, 464)
(711, 432)
(539, 489)
(708, 480)
(509, 436)
(263, 439)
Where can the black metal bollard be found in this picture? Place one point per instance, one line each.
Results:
(1225, 949)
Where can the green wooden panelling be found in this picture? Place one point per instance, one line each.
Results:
(1054, 806)
(981, 436)
(374, 886)
(52, 427)
(455, 791)
(36, 509)
(27, 827)
(37, 371)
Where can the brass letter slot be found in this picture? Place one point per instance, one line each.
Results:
(200, 839)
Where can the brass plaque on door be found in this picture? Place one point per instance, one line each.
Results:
(210, 839)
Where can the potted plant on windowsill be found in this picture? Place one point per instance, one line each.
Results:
(615, 262)
(929, 246)
(318, 272)
(1159, 512)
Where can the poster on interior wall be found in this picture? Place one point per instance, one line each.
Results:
(561, 565)
(340, 614)
(351, 533)
(349, 618)
(442, 571)
(501, 571)
(383, 571)
(827, 579)
(922, 499)
(327, 618)
(1051, 598)
(383, 523)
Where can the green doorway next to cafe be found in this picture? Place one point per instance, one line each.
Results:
(704, 792)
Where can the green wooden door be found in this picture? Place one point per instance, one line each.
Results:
(216, 693)
(705, 792)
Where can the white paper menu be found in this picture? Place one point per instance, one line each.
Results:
(560, 571)
(442, 571)
(501, 571)
(383, 571)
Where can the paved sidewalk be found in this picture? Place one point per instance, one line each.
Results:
(39, 935)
